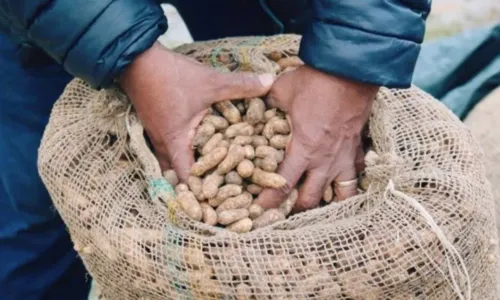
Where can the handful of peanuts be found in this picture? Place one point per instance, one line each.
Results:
(239, 145)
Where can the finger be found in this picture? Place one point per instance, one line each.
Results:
(181, 147)
(292, 168)
(243, 85)
(164, 164)
(311, 192)
(359, 163)
(161, 156)
(280, 95)
(181, 155)
(344, 192)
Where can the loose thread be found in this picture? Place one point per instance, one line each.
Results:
(443, 239)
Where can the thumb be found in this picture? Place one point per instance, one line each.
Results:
(243, 85)
(181, 157)
(181, 150)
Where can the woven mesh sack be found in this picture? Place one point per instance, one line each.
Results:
(423, 230)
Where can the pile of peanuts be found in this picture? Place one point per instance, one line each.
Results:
(239, 145)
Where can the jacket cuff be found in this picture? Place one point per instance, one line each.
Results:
(359, 55)
(125, 29)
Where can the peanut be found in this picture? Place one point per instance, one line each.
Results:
(267, 179)
(208, 161)
(255, 112)
(259, 140)
(171, 177)
(281, 126)
(275, 56)
(233, 178)
(268, 164)
(203, 134)
(291, 61)
(245, 168)
(211, 184)
(198, 276)
(218, 122)
(371, 158)
(196, 186)
(280, 155)
(364, 182)
(269, 217)
(328, 194)
(212, 289)
(188, 203)
(279, 141)
(241, 226)
(243, 292)
(258, 128)
(249, 151)
(223, 144)
(181, 187)
(235, 155)
(148, 237)
(194, 258)
(254, 189)
(229, 190)
(276, 126)
(255, 211)
(268, 114)
(237, 129)
(265, 151)
(268, 130)
(229, 111)
(212, 143)
(243, 140)
(209, 214)
(287, 206)
(241, 201)
(227, 217)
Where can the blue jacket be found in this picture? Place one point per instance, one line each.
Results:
(373, 41)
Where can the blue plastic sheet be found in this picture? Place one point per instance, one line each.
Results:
(461, 70)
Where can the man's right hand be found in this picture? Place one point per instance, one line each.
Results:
(172, 93)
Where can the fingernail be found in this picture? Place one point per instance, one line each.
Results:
(266, 79)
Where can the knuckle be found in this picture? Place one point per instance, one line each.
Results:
(286, 189)
(306, 203)
(247, 83)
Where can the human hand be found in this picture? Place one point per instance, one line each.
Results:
(327, 115)
(172, 93)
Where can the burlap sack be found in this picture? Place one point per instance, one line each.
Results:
(484, 122)
(424, 230)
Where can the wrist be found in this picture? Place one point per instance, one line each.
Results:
(361, 90)
(143, 68)
(354, 100)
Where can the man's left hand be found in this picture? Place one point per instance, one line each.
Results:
(327, 114)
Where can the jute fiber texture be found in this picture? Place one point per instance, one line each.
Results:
(424, 229)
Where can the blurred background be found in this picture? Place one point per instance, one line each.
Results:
(449, 17)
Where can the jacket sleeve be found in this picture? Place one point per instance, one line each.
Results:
(372, 41)
(93, 39)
